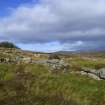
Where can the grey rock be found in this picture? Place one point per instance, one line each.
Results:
(58, 65)
(101, 73)
(93, 76)
(54, 64)
(89, 70)
(83, 73)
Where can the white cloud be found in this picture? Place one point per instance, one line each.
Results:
(55, 20)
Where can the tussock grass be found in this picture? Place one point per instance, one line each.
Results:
(35, 85)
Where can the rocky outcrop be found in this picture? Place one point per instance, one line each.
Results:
(101, 73)
(91, 75)
(54, 65)
(89, 70)
(96, 74)
(59, 65)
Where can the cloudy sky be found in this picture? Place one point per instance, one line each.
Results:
(53, 25)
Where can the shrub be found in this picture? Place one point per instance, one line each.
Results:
(54, 56)
(99, 66)
(7, 45)
(76, 68)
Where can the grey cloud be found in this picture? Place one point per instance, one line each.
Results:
(57, 20)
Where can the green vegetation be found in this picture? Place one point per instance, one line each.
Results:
(79, 62)
(35, 85)
(54, 56)
(7, 45)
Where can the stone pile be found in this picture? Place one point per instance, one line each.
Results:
(54, 65)
(58, 65)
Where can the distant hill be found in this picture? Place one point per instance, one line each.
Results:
(8, 45)
(91, 53)
(64, 52)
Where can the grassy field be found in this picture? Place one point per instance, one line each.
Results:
(35, 85)
(79, 62)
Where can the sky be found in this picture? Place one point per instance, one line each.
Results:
(53, 25)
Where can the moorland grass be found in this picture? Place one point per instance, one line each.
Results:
(79, 62)
(35, 85)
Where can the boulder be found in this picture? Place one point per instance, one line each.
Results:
(93, 76)
(101, 73)
(97, 75)
(57, 65)
(89, 70)
(54, 64)
(83, 73)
